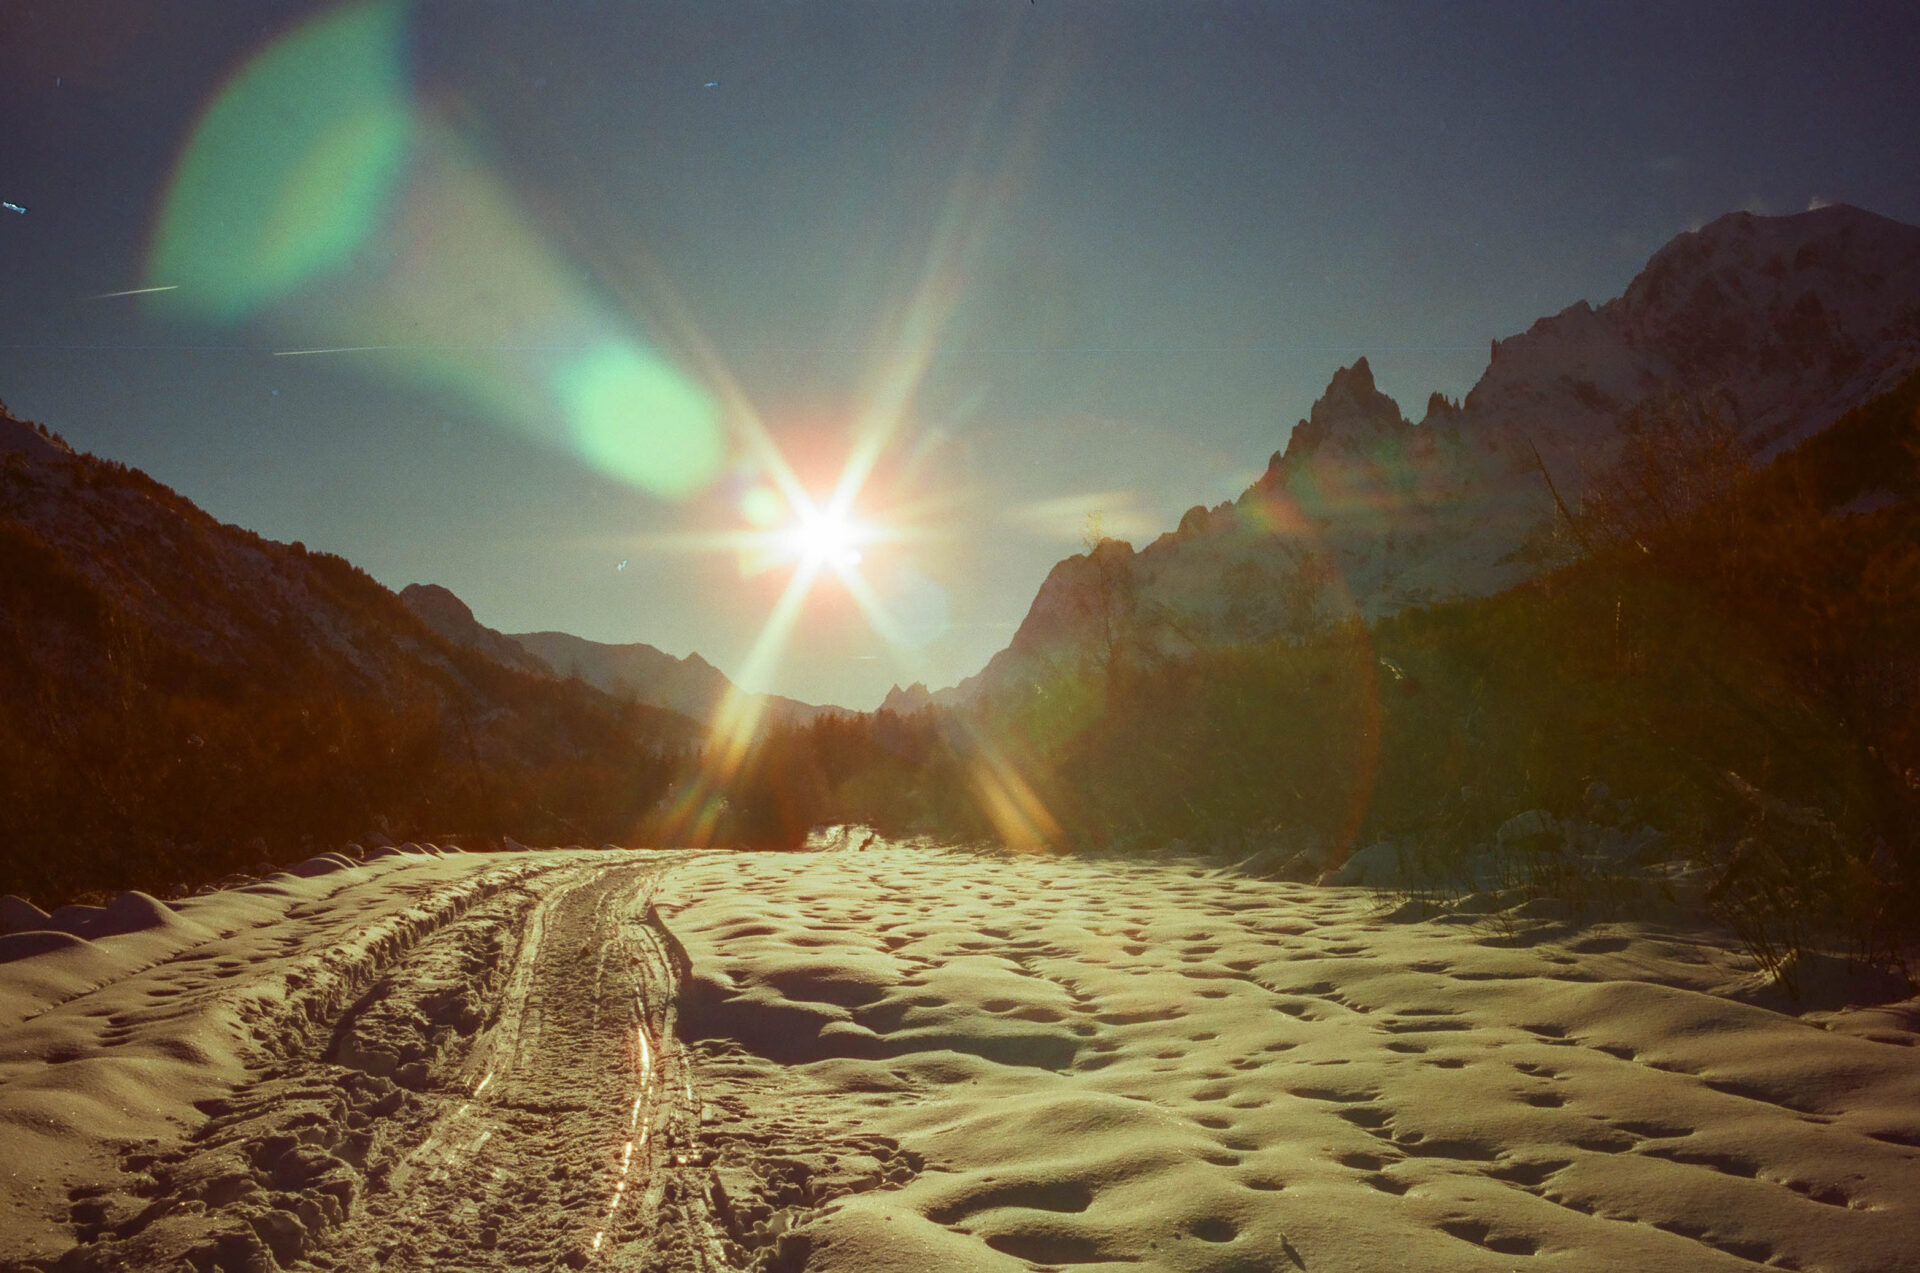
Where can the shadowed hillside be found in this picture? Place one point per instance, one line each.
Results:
(185, 698)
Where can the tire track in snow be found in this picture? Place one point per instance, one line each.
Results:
(575, 1102)
(508, 1093)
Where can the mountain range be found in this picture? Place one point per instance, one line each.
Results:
(638, 672)
(144, 645)
(1759, 329)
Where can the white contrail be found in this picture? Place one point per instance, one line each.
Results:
(133, 291)
(341, 349)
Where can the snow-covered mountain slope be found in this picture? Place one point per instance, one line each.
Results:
(1771, 327)
(1783, 322)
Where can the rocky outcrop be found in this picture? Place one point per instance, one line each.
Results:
(914, 698)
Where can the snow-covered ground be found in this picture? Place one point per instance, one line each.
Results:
(422, 1061)
(899, 1058)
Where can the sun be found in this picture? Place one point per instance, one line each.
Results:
(826, 537)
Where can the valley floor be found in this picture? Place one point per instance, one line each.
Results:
(899, 1058)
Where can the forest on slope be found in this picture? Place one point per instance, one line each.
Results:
(185, 699)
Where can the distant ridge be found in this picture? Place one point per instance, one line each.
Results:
(446, 614)
(640, 672)
(636, 672)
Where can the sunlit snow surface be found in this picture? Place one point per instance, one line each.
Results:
(1178, 1067)
(966, 1061)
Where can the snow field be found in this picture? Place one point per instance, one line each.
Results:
(899, 1058)
(1184, 1069)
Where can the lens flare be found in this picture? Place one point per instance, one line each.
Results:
(317, 201)
(635, 418)
(1016, 813)
(291, 170)
(315, 198)
(761, 506)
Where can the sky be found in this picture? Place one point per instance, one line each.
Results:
(577, 308)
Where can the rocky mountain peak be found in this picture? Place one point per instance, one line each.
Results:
(1352, 411)
(451, 617)
(1440, 410)
(436, 604)
(915, 697)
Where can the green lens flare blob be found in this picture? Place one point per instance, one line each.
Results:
(635, 418)
(291, 169)
(763, 507)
